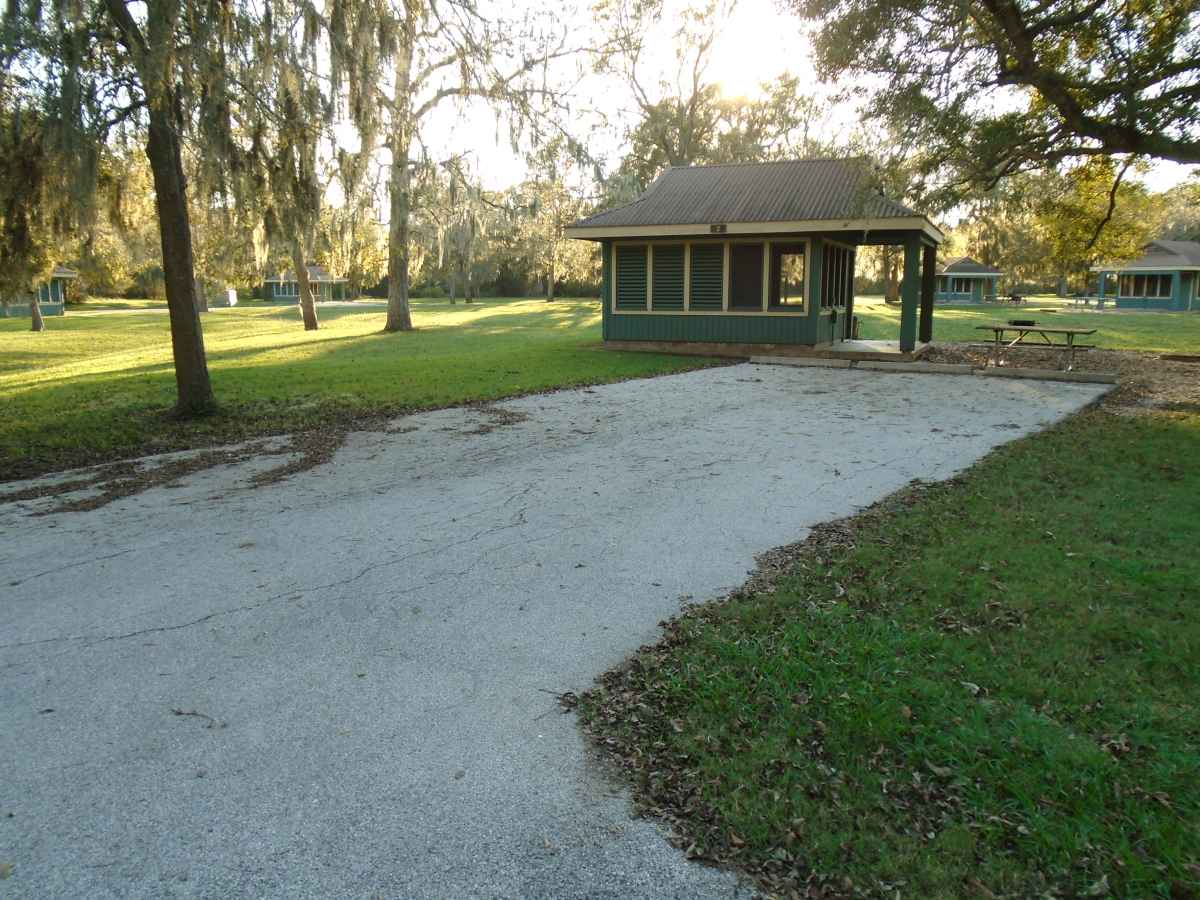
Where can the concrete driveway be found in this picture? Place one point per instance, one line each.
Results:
(342, 685)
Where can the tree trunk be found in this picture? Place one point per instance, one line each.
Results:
(308, 307)
(550, 279)
(452, 285)
(36, 322)
(891, 288)
(399, 315)
(195, 395)
(470, 286)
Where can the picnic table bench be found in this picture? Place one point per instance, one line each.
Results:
(1045, 339)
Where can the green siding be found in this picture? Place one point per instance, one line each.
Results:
(708, 277)
(631, 277)
(667, 277)
(743, 329)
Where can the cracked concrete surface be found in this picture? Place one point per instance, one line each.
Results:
(372, 648)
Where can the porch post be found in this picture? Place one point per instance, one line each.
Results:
(928, 276)
(910, 289)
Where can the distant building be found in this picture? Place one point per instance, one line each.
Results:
(324, 286)
(1166, 276)
(52, 295)
(963, 280)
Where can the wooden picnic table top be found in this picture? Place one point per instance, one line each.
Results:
(1042, 328)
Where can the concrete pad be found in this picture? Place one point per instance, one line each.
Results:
(1049, 374)
(342, 684)
(928, 368)
(822, 362)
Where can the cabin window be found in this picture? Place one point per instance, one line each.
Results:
(631, 276)
(667, 277)
(707, 276)
(746, 276)
(788, 276)
(837, 276)
(962, 286)
(1145, 286)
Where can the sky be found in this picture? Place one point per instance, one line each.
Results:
(758, 43)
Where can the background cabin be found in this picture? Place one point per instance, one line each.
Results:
(1166, 276)
(964, 280)
(756, 254)
(52, 295)
(324, 286)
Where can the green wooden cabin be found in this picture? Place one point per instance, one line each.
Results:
(1166, 276)
(963, 280)
(325, 286)
(758, 254)
(52, 296)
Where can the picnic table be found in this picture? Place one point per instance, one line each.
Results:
(1045, 338)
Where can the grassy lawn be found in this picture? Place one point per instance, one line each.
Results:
(94, 387)
(1116, 330)
(987, 687)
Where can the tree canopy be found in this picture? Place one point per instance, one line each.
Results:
(990, 88)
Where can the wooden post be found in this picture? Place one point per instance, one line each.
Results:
(928, 277)
(910, 290)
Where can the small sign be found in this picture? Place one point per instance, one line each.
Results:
(717, 229)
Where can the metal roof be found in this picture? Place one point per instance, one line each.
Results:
(63, 272)
(964, 265)
(785, 191)
(1160, 255)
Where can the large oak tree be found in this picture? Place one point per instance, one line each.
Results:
(989, 88)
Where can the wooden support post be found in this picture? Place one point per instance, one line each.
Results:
(928, 277)
(910, 290)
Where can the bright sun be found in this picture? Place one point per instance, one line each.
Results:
(756, 45)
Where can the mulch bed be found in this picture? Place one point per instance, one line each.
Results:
(1146, 381)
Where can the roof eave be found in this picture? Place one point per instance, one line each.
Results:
(807, 226)
(1182, 267)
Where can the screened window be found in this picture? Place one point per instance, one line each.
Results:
(788, 276)
(1155, 285)
(631, 276)
(746, 276)
(837, 276)
(962, 286)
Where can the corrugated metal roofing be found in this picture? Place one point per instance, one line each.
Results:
(964, 265)
(790, 190)
(1163, 255)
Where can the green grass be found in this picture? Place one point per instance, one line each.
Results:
(96, 387)
(997, 685)
(1159, 332)
(99, 304)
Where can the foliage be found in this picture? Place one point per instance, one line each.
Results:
(431, 55)
(685, 120)
(985, 687)
(1043, 225)
(1180, 210)
(28, 223)
(546, 204)
(989, 88)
